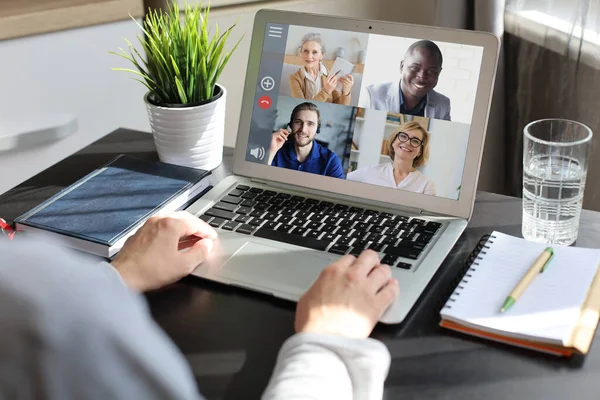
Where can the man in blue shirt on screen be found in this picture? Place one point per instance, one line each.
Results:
(298, 149)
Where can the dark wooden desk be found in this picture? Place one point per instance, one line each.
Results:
(231, 337)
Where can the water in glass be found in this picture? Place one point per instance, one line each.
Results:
(552, 196)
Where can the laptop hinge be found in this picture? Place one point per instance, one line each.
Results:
(345, 198)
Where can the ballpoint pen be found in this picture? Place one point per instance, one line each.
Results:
(538, 266)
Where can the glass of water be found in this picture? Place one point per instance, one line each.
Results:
(555, 161)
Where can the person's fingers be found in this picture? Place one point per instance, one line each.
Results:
(197, 253)
(366, 261)
(378, 277)
(186, 224)
(282, 133)
(387, 294)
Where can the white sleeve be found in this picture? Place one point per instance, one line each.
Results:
(430, 187)
(353, 176)
(318, 366)
(365, 97)
(359, 175)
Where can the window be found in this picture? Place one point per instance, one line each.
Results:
(569, 27)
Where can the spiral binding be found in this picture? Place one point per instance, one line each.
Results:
(469, 267)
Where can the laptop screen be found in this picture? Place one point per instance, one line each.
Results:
(381, 110)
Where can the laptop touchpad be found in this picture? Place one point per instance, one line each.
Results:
(281, 269)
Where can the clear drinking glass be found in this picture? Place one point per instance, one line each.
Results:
(555, 161)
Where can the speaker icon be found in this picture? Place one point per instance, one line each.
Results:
(258, 152)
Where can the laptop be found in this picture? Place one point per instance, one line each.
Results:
(370, 170)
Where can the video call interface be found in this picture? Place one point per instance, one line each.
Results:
(382, 110)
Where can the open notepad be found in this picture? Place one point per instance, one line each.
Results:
(558, 313)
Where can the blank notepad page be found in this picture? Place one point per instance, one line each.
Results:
(549, 309)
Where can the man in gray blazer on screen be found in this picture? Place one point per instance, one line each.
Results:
(414, 94)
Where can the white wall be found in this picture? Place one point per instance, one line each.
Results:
(368, 135)
(352, 42)
(458, 79)
(447, 152)
(65, 73)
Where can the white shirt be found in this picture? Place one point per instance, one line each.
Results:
(383, 175)
(71, 329)
(313, 86)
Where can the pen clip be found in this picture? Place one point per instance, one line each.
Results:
(551, 251)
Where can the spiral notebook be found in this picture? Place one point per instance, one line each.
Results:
(557, 314)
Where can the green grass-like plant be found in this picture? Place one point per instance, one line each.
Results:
(183, 62)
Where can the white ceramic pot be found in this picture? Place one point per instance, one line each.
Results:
(190, 136)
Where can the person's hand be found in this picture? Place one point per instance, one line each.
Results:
(347, 82)
(330, 83)
(278, 138)
(150, 258)
(348, 297)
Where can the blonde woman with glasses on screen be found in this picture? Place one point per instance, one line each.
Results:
(409, 149)
(313, 81)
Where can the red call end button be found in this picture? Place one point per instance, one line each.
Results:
(264, 102)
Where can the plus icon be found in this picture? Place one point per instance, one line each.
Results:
(267, 83)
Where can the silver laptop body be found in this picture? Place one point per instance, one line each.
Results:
(267, 265)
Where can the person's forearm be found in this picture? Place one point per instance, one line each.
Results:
(271, 157)
(324, 367)
(345, 98)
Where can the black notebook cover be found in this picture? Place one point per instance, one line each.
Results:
(107, 203)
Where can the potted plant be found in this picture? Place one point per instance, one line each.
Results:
(186, 105)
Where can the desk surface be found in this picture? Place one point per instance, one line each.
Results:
(231, 336)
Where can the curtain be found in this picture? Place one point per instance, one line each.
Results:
(552, 59)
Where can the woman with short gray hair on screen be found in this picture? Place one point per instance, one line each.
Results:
(408, 149)
(313, 81)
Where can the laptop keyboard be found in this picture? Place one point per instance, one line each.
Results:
(322, 225)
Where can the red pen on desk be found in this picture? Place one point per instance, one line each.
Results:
(6, 229)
